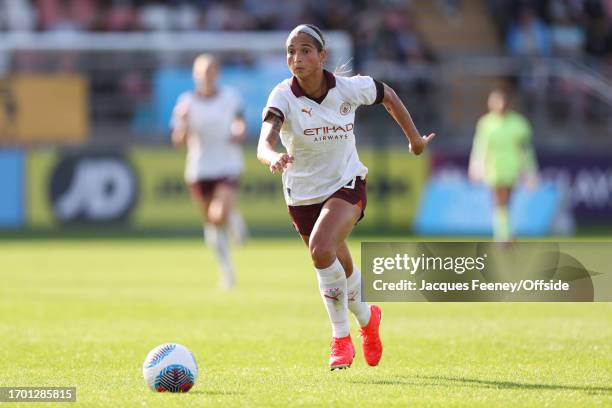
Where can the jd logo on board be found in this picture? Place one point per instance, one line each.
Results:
(93, 188)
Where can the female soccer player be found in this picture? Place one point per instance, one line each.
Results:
(323, 180)
(501, 153)
(209, 122)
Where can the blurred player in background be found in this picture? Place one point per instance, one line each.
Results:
(502, 152)
(324, 182)
(209, 122)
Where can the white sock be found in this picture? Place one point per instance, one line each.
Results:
(332, 283)
(360, 309)
(216, 239)
(237, 227)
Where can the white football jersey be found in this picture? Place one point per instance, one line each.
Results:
(210, 154)
(320, 135)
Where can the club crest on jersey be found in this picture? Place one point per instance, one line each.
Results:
(345, 108)
(308, 111)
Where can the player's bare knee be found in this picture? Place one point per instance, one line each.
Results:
(215, 218)
(215, 221)
(220, 219)
(322, 254)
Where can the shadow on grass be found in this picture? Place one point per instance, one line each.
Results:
(216, 393)
(474, 382)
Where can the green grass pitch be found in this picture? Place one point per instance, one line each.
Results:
(85, 314)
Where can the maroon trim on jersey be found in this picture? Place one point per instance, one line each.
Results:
(274, 111)
(298, 91)
(380, 92)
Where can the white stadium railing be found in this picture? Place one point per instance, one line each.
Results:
(339, 44)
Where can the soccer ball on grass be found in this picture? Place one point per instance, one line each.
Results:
(170, 367)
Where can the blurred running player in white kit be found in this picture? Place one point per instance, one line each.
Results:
(313, 116)
(209, 122)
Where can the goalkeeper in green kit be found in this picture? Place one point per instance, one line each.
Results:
(502, 153)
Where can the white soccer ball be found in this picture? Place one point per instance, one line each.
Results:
(170, 368)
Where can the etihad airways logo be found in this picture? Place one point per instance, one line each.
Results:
(327, 130)
(329, 133)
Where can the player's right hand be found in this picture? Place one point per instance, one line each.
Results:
(419, 145)
(281, 162)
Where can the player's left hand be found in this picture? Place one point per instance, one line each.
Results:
(419, 145)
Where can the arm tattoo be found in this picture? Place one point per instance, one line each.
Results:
(277, 123)
(274, 132)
